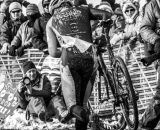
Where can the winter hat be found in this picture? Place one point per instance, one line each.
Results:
(45, 2)
(15, 6)
(32, 9)
(118, 11)
(27, 66)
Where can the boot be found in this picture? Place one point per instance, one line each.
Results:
(65, 117)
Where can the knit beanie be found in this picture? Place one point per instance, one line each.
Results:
(45, 2)
(15, 6)
(27, 66)
(32, 9)
(118, 11)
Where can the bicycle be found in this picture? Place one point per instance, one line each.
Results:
(119, 90)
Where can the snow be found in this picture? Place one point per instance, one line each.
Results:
(18, 121)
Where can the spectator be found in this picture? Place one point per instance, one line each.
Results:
(36, 95)
(23, 38)
(73, 22)
(131, 31)
(149, 31)
(4, 9)
(40, 40)
(10, 27)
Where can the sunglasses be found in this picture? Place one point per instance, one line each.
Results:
(130, 10)
(17, 11)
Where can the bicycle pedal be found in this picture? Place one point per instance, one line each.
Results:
(136, 96)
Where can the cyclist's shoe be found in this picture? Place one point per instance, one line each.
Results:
(65, 117)
(79, 113)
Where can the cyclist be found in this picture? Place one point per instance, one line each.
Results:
(71, 21)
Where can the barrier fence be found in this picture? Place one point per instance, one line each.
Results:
(144, 78)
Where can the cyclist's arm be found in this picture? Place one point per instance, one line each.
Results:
(52, 41)
(99, 14)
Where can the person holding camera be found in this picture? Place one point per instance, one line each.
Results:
(34, 91)
(35, 96)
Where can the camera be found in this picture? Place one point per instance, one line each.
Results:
(26, 80)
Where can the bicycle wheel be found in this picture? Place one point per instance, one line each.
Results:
(103, 115)
(126, 93)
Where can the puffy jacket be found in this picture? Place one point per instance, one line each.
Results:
(24, 36)
(9, 30)
(40, 39)
(151, 21)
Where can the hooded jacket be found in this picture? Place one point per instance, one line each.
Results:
(9, 30)
(151, 22)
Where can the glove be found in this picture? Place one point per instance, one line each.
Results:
(12, 50)
(157, 46)
(4, 48)
(42, 46)
(148, 60)
(150, 48)
(20, 51)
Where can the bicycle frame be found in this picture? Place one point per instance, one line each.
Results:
(108, 73)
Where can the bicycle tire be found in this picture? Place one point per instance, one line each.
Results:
(105, 117)
(126, 90)
(121, 123)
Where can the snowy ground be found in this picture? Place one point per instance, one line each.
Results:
(18, 121)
